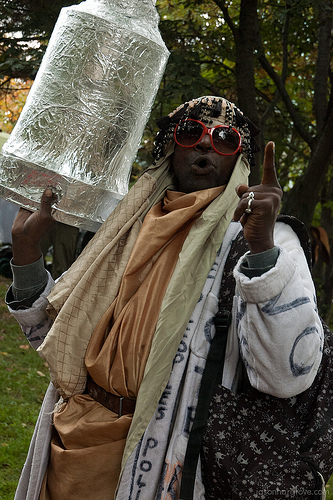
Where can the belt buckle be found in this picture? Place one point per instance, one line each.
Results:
(120, 406)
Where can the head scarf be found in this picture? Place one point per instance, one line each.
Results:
(211, 110)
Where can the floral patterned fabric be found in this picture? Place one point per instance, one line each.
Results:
(257, 446)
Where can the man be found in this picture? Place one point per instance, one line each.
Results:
(132, 319)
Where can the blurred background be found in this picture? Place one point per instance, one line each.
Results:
(272, 58)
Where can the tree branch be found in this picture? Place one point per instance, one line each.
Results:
(294, 114)
(304, 196)
(284, 73)
(285, 33)
(222, 5)
(212, 62)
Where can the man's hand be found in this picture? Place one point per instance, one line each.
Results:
(29, 228)
(259, 224)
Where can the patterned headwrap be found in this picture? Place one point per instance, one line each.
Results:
(209, 110)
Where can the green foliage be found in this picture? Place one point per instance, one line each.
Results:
(329, 489)
(197, 38)
(25, 28)
(12, 100)
(23, 381)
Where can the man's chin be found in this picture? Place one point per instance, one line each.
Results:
(191, 187)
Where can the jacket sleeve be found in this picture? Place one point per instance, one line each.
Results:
(34, 321)
(279, 331)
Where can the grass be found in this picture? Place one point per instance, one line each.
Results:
(23, 382)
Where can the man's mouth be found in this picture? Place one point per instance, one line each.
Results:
(203, 165)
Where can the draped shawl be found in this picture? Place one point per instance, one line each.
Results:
(84, 293)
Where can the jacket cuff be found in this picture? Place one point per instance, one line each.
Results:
(262, 288)
(259, 263)
(29, 281)
(36, 313)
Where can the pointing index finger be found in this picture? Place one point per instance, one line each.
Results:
(269, 176)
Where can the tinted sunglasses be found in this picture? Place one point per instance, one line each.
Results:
(224, 139)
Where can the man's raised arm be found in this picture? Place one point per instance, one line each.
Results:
(29, 228)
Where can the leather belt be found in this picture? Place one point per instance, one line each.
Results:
(117, 404)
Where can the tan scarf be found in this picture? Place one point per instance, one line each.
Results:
(82, 296)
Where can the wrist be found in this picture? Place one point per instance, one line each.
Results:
(25, 252)
(260, 246)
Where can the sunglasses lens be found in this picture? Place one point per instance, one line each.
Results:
(188, 133)
(225, 140)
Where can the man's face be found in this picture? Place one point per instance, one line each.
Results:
(201, 167)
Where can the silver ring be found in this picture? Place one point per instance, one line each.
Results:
(250, 199)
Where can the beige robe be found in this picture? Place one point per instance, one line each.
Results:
(89, 440)
(85, 292)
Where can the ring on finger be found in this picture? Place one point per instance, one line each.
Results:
(250, 199)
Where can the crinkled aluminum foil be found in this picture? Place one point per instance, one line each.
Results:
(82, 124)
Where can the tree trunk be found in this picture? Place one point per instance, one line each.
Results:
(246, 91)
(323, 63)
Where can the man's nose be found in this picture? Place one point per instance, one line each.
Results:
(204, 143)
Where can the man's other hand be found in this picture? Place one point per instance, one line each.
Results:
(259, 223)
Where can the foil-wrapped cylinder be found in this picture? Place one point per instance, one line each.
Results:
(81, 126)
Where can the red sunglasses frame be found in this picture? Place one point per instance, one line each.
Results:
(208, 131)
